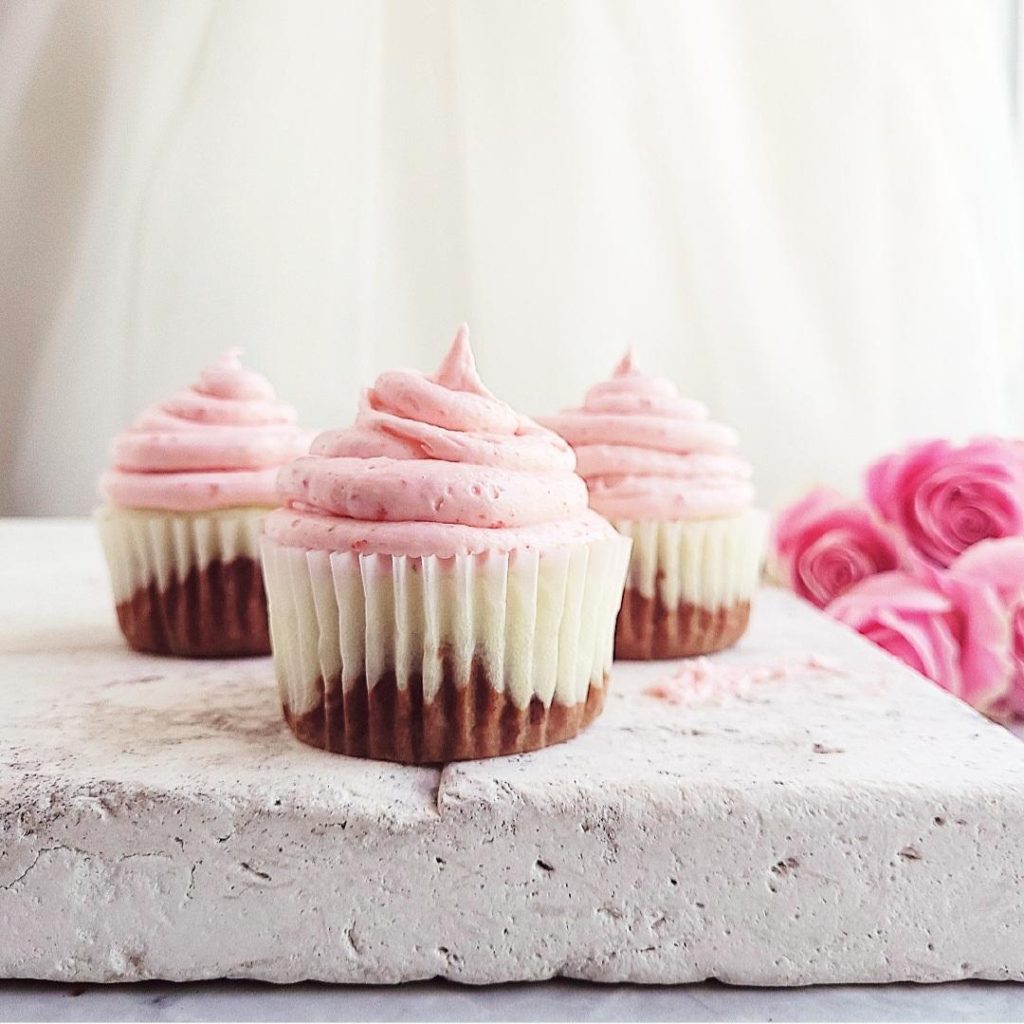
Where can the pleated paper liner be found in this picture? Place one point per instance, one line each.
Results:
(689, 585)
(188, 584)
(423, 660)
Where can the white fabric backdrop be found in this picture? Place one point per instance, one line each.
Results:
(807, 213)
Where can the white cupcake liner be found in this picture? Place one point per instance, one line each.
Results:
(537, 625)
(708, 563)
(144, 547)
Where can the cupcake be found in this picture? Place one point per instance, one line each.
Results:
(670, 479)
(191, 481)
(438, 588)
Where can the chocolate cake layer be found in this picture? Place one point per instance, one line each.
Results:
(647, 629)
(466, 719)
(219, 611)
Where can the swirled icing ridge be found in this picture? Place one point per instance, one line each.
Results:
(217, 444)
(434, 465)
(648, 454)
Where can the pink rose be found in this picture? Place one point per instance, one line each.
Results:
(824, 544)
(911, 620)
(952, 632)
(945, 499)
(988, 581)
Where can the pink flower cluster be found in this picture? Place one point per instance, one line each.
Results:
(929, 564)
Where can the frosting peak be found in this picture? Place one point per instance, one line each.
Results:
(228, 378)
(647, 453)
(626, 366)
(217, 444)
(457, 371)
(434, 465)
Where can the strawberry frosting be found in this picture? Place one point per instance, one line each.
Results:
(434, 466)
(648, 454)
(218, 444)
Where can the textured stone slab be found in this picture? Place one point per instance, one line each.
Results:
(158, 820)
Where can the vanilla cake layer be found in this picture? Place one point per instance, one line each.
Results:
(811, 812)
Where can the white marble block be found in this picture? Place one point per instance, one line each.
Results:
(158, 820)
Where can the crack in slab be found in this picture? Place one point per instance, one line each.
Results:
(67, 848)
(35, 860)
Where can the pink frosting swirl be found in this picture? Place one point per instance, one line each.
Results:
(434, 466)
(218, 444)
(646, 453)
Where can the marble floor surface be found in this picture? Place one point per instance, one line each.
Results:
(554, 1001)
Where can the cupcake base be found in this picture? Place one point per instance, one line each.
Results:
(188, 583)
(425, 659)
(465, 720)
(218, 611)
(690, 585)
(647, 629)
